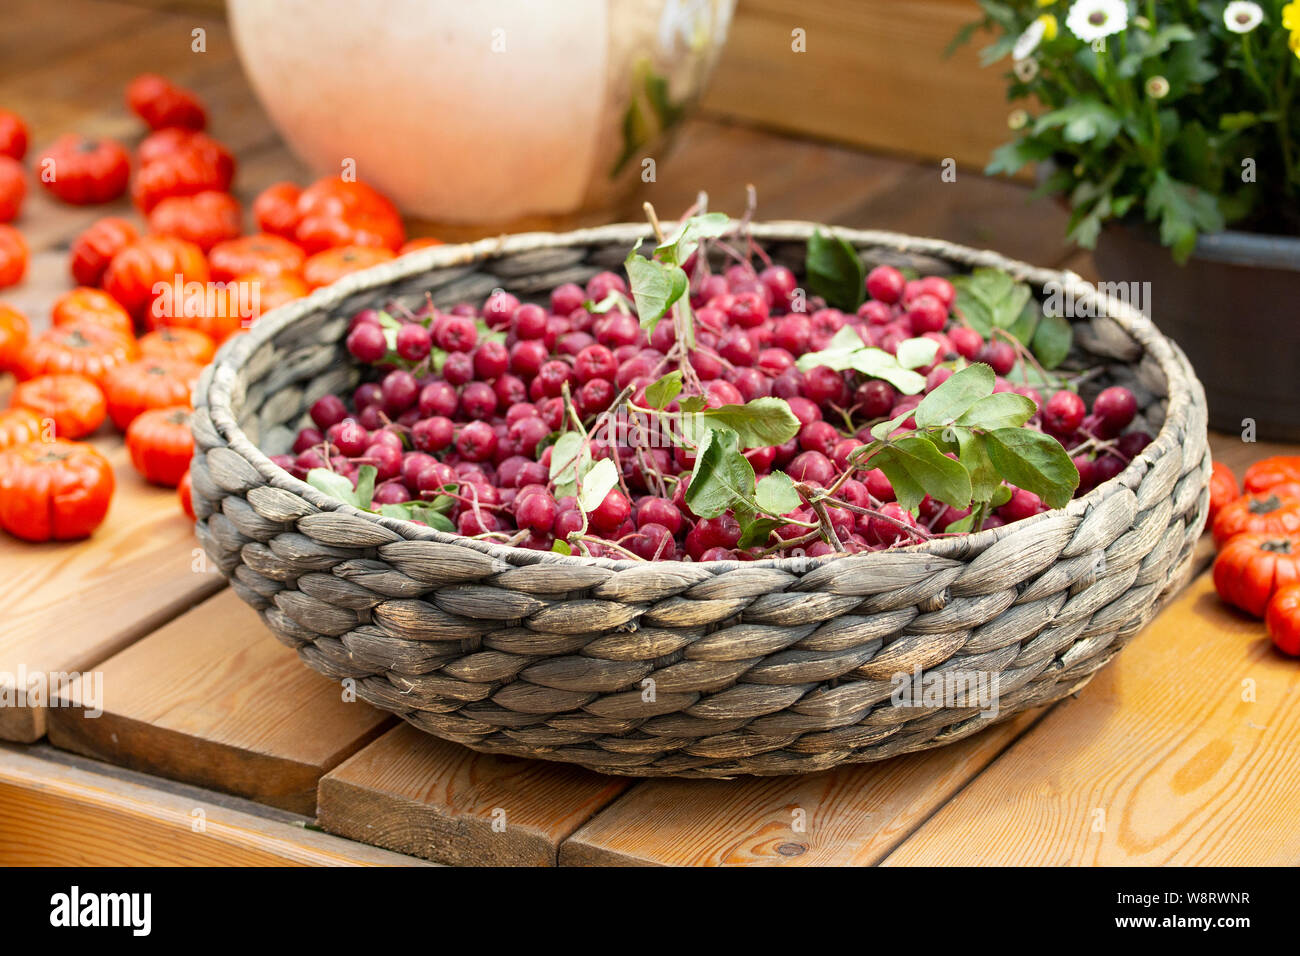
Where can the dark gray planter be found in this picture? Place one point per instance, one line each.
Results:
(1234, 309)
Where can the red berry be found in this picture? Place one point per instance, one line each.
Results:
(536, 512)
(478, 401)
(455, 333)
(611, 512)
(812, 466)
(1063, 413)
(875, 398)
(926, 314)
(529, 322)
(499, 309)
(328, 410)
(491, 360)
(477, 441)
(413, 342)
(885, 283)
(367, 343)
(432, 434)
(1116, 407)
(999, 356)
(595, 362)
(966, 342)
(1022, 504)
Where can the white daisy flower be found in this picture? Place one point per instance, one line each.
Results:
(1242, 16)
(1092, 20)
(1029, 40)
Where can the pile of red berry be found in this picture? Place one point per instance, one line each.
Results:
(466, 405)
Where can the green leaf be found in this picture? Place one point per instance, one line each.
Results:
(599, 481)
(877, 363)
(1010, 158)
(722, 477)
(567, 448)
(334, 485)
(838, 353)
(418, 511)
(1035, 462)
(692, 403)
(678, 247)
(561, 547)
(974, 457)
(962, 390)
(1052, 340)
(570, 460)
(1000, 496)
(961, 524)
(835, 271)
(1000, 410)
(655, 287)
(488, 334)
(659, 394)
(755, 531)
(614, 300)
(882, 430)
(1082, 121)
(920, 467)
(757, 424)
(916, 353)
(775, 494)
(1184, 212)
(366, 485)
(989, 298)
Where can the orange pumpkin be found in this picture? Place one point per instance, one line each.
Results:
(275, 291)
(78, 348)
(189, 345)
(1223, 489)
(1257, 514)
(1268, 472)
(94, 307)
(15, 330)
(333, 264)
(1252, 567)
(204, 219)
(148, 383)
(260, 255)
(73, 402)
(150, 263)
(19, 426)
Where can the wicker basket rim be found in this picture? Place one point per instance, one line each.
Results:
(215, 388)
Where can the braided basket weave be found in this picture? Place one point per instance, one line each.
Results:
(767, 667)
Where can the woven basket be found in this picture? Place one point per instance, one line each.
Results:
(767, 667)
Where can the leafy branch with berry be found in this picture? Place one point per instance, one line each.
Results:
(703, 406)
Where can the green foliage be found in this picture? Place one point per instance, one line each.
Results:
(835, 271)
(433, 513)
(990, 299)
(1175, 119)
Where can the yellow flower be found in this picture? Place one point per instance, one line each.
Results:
(1291, 17)
(1018, 119)
(1046, 3)
(1294, 42)
(1049, 25)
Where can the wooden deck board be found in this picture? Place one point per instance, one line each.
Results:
(55, 815)
(211, 699)
(1164, 759)
(416, 794)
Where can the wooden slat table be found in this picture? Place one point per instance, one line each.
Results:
(205, 717)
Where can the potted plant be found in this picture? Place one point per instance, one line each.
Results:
(1174, 124)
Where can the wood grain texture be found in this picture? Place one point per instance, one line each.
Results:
(55, 815)
(211, 699)
(1163, 751)
(873, 75)
(852, 816)
(416, 794)
(69, 605)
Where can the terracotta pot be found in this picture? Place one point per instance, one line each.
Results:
(1232, 309)
(481, 112)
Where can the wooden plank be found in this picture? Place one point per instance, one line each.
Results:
(416, 794)
(873, 74)
(851, 816)
(213, 700)
(973, 210)
(37, 31)
(1181, 753)
(55, 815)
(794, 179)
(70, 605)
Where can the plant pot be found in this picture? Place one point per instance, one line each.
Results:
(1232, 310)
(480, 112)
